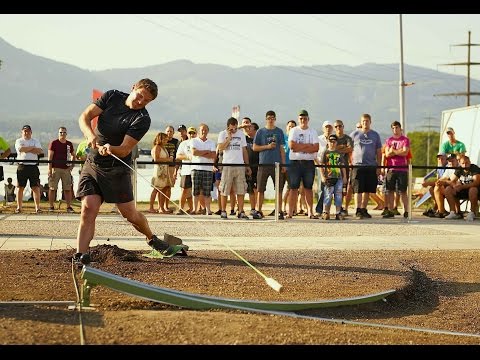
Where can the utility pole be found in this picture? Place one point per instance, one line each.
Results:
(468, 93)
(402, 82)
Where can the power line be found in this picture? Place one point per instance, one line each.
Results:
(468, 93)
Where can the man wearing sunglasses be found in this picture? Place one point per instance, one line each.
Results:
(60, 151)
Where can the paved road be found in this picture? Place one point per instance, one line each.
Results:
(372, 234)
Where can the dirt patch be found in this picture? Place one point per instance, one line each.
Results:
(435, 290)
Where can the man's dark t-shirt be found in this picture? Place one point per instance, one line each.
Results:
(171, 146)
(467, 176)
(116, 121)
(60, 153)
(253, 156)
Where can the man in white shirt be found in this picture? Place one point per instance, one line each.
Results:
(184, 153)
(303, 143)
(28, 150)
(203, 151)
(233, 143)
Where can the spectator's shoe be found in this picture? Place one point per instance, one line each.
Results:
(272, 213)
(80, 259)
(405, 214)
(385, 212)
(344, 212)
(429, 213)
(232, 212)
(339, 216)
(440, 215)
(388, 214)
(366, 214)
(38, 211)
(359, 214)
(325, 216)
(70, 210)
(454, 216)
(281, 216)
(179, 212)
(223, 215)
(18, 211)
(396, 212)
(252, 212)
(470, 216)
(51, 209)
(256, 214)
(219, 212)
(242, 215)
(156, 244)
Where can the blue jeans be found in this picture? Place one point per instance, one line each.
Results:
(336, 192)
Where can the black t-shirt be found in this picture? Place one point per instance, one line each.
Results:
(116, 121)
(467, 176)
(171, 146)
(253, 156)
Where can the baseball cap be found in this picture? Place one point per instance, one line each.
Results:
(191, 129)
(182, 127)
(327, 123)
(333, 137)
(441, 154)
(303, 112)
(450, 129)
(26, 127)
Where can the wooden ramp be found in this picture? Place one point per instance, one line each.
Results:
(188, 300)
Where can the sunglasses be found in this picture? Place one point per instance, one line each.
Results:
(338, 126)
(62, 132)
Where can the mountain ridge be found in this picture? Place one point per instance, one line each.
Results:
(48, 93)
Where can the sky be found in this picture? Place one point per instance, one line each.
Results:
(108, 41)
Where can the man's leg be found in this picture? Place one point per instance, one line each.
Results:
(20, 197)
(51, 197)
(134, 217)
(36, 197)
(86, 228)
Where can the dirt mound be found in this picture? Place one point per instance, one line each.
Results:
(420, 293)
(107, 254)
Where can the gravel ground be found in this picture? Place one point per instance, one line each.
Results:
(437, 290)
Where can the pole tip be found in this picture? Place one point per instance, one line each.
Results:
(274, 284)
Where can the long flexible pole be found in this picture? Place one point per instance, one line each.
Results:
(275, 285)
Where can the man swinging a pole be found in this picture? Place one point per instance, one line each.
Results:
(122, 122)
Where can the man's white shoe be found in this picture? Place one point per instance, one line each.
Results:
(453, 216)
(470, 216)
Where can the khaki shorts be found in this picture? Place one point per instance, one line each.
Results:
(233, 176)
(57, 174)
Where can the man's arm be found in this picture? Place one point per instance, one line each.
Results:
(379, 160)
(50, 158)
(222, 145)
(5, 154)
(72, 156)
(121, 150)
(84, 121)
(306, 148)
(31, 149)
